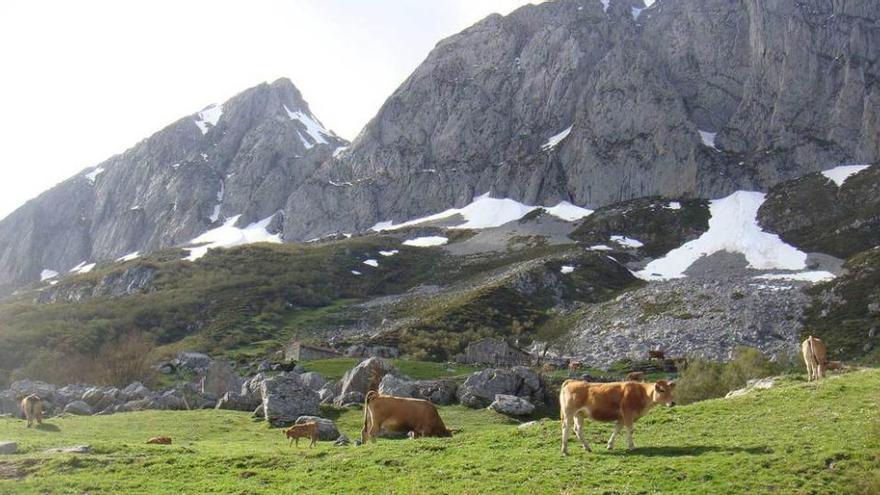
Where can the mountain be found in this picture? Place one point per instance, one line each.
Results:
(239, 159)
(595, 102)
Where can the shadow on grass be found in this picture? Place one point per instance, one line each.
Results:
(684, 450)
(48, 427)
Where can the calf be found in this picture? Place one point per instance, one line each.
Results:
(160, 440)
(574, 366)
(306, 430)
(621, 402)
(32, 409)
(635, 376)
(815, 357)
(416, 417)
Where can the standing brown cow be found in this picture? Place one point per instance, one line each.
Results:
(32, 409)
(815, 357)
(658, 354)
(622, 402)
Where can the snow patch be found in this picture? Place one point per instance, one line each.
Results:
(708, 139)
(373, 263)
(228, 235)
(600, 247)
(339, 151)
(389, 253)
(47, 274)
(568, 211)
(733, 227)
(355, 272)
(605, 5)
(83, 267)
(215, 215)
(555, 140)
(129, 256)
(636, 12)
(626, 241)
(566, 269)
(843, 172)
(314, 129)
(427, 241)
(673, 205)
(93, 175)
(809, 276)
(209, 117)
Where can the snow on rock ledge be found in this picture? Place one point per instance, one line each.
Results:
(228, 235)
(839, 174)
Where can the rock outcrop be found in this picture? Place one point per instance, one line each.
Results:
(286, 398)
(480, 388)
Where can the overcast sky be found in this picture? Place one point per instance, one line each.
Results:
(83, 80)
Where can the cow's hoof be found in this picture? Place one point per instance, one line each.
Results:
(588, 449)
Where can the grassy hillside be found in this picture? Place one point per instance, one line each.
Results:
(797, 438)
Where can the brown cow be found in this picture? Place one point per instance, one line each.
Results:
(834, 365)
(635, 376)
(417, 417)
(658, 354)
(160, 440)
(32, 409)
(815, 357)
(575, 366)
(622, 402)
(306, 430)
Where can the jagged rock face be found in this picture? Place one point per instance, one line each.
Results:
(787, 87)
(242, 158)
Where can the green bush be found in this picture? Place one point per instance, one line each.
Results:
(703, 379)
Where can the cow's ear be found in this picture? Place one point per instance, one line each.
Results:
(671, 385)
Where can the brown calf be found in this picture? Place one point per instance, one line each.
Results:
(635, 376)
(32, 409)
(621, 402)
(815, 357)
(658, 354)
(417, 417)
(575, 366)
(306, 430)
(160, 440)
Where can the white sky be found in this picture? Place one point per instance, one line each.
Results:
(83, 80)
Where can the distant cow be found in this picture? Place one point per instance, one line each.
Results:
(833, 365)
(575, 366)
(635, 376)
(416, 417)
(32, 409)
(306, 430)
(815, 357)
(160, 440)
(658, 354)
(621, 402)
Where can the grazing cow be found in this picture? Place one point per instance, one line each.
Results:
(160, 440)
(815, 357)
(575, 366)
(833, 365)
(416, 417)
(32, 409)
(635, 376)
(306, 430)
(622, 402)
(658, 354)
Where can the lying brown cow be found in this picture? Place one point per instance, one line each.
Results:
(160, 440)
(32, 409)
(815, 357)
(622, 402)
(416, 417)
(635, 376)
(306, 430)
(658, 354)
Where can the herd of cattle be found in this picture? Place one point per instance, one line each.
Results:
(620, 402)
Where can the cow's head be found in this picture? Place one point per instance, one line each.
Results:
(663, 393)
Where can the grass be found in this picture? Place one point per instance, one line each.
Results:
(796, 438)
(333, 369)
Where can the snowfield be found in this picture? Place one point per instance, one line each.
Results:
(626, 241)
(708, 139)
(486, 212)
(83, 267)
(733, 227)
(566, 269)
(93, 175)
(228, 235)
(427, 241)
(843, 172)
(810, 276)
(209, 117)
(130, 256)
(555, 140)
(47, 275)
(314, 129)
(373, 263)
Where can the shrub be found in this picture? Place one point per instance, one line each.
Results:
(703, 379)
(125, 360)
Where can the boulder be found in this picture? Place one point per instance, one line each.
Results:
(258, 412)
(220, 378)
(193, 361)
(365, 376)
(437, 391)
(754, 384)
(481, 387)
(100, 398)
(380, 351)
(397, 386)
(327, 430)
(8, 448)
(28, 387)
(8, 403)
(135, 391)
(511, 405)
(350, 399)
(137, 405)
(76, 449)
(342, 441)
(78, 408)
(168, 400)
(313, 380)
(328, 392)
(236, 402)
(286, 398)
(250, 388)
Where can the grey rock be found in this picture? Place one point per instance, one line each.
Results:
(193, 361)
(494, 352)
(259, 412)
(327, 430)
(285, 399)
(170, 400)
(136, 279)
(481, 387)
(511, 405)
(219, 379)
(78, 408)
(397, 386)
(381, 351)
(8, 403)
(751, 385)
(350, 399)
(342, 441)
(8, 448)
(364, 377)
(76, 449)
(100, 398)
(135, 391)
(328, 392)
(28, 387)
(250, 388)
(313, 380)
(236, 402)
(440, 392)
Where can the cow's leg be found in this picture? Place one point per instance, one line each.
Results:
(297, 442)
(566, 429)
(820, 371)
(40, 418)
(629, 434)
(365, 430)
(312, 443)
(614, 435)
(579, 430)
(811, 371)
(373, 431)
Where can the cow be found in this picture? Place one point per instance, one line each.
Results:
(32, 409)
(815, 357)
(635, 376)
(160, 440)
(416, 417)
(658, 355)
(306, 430)
(575, 366)
(621, 402)
(834, 365)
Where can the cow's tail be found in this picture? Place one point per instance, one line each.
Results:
(562, 391)
(372, 394)
(813, 357)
